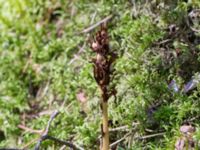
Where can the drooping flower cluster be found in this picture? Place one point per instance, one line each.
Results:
(103, 61)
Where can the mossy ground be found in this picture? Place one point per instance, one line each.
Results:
(44, 64)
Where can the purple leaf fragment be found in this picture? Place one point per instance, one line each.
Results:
(173, 85)
(189, 86)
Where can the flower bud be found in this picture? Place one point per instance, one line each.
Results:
(95, 46)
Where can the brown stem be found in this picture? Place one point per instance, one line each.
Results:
(105, 133)
(105, 129)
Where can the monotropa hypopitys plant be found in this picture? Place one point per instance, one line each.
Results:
(103, 74)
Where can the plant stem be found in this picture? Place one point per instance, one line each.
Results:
(105, 126)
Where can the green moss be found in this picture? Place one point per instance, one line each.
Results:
(44, 63)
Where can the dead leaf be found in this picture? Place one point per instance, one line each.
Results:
(187, 129)
(59, 27)
(81, 97)
(180, 143)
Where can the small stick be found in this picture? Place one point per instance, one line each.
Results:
(54, 114)
(150, 136)
(125, 127)
(45, 136)
(91, 28)
(164, 41)
(120, 140)
(29, 129)
(139, 138)
(122, 128)
(69, 144)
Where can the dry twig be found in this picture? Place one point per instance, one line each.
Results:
(150, 136)
(124, 128)
(45, 136)
(91, 28)
(139, 138)
(29, 129)
(120, 140)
